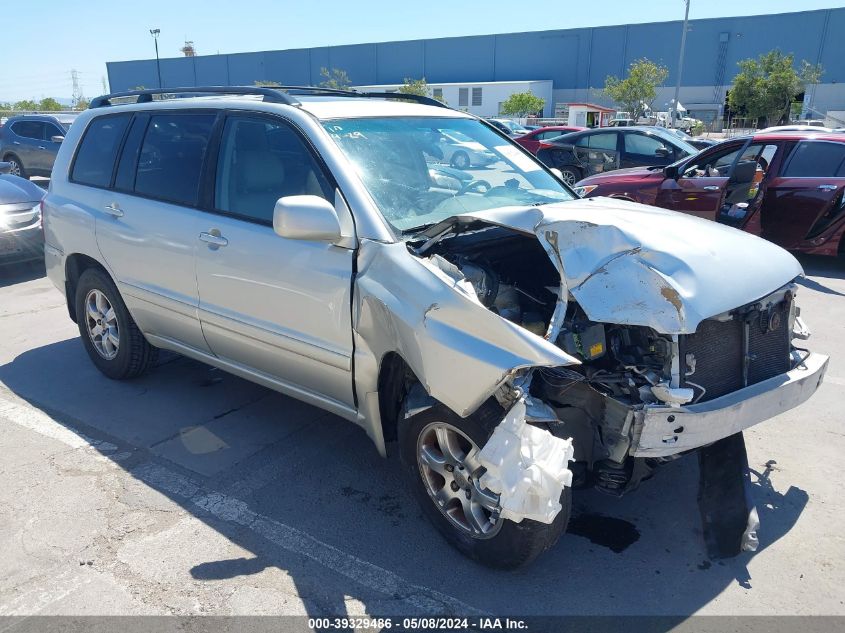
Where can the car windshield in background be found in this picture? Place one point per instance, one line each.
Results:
(421, 170)
(675, 140)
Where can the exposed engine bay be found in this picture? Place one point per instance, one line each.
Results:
(623, 368)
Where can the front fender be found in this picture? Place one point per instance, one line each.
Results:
(459, 350)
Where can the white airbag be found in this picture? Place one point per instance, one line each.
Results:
(527, 467)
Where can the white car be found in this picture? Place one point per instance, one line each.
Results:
(462, 152)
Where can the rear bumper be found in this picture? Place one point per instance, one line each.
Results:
(660, 431)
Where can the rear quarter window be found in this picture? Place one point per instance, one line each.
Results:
(95, 157)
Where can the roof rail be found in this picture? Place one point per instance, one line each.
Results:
(401, 96)
(271, 95)
(351, 92)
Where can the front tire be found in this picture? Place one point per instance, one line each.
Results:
(438, 452)
(110, 336)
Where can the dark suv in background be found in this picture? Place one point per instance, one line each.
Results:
(30, 142)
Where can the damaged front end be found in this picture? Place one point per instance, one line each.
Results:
(659, 354)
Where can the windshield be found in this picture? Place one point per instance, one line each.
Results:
(418, 175)
(677, 141)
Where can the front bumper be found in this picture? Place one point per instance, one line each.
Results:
(660, 431)
(20, 232)
(21, 245)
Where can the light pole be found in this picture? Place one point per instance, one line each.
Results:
(154, 33)
(674, 112)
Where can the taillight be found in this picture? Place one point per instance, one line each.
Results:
(546, 146)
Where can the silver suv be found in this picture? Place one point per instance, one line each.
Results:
(515, 341)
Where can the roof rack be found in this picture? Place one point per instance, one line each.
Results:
(270, 94)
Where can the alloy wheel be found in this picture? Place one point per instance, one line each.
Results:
(449, 466)
(102, 324)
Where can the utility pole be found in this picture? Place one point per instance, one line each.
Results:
(674, 112)
(155, 33)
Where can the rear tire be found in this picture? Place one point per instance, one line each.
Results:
(570, 175)
(460, 160)
(17, 166)
(110, 336)
(507, 545)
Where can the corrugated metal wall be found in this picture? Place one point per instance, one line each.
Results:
(572, 59)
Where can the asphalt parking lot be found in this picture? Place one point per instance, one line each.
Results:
(190, 491)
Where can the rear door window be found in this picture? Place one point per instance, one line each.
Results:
(95, 158)
(599, 141)
(816, 159)
(171, 157)
(29, 129)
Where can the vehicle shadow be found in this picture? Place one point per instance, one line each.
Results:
(12, 274)
(305, 492)
(825, 268)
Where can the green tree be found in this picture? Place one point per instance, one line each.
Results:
(82, 104)
(418, 87)
(767, 86)
(263, 82)
(336, 79)
(414, 87)
(522, 104)
(26, 104)
(48, 104)
(639, 88)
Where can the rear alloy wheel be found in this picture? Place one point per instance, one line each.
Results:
(439, 454)
(16, 166)
(569, 176)
(110, 336)
(460, 160)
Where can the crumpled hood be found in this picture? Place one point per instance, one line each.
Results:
(14, 190)
(633, 264)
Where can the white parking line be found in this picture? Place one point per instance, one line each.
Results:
(226, 508)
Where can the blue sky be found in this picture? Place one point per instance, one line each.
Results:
(37, 61)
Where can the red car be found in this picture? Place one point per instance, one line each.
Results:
(532, 140)
(786, 187)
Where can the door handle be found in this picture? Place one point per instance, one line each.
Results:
(41, 147)
(16, 142)
(213, 240)
(711, 188)
(827, 187)
(113, 210)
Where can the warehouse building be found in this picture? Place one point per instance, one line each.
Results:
(573, 63)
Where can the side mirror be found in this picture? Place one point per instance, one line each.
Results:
(57, 138)
(306, 218)
(671, 171)
(662, 152)
(558, 173)
(5, 168)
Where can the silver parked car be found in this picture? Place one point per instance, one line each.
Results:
(513, 340)
(20, 218)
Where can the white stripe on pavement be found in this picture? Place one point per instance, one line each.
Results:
(232, 510)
